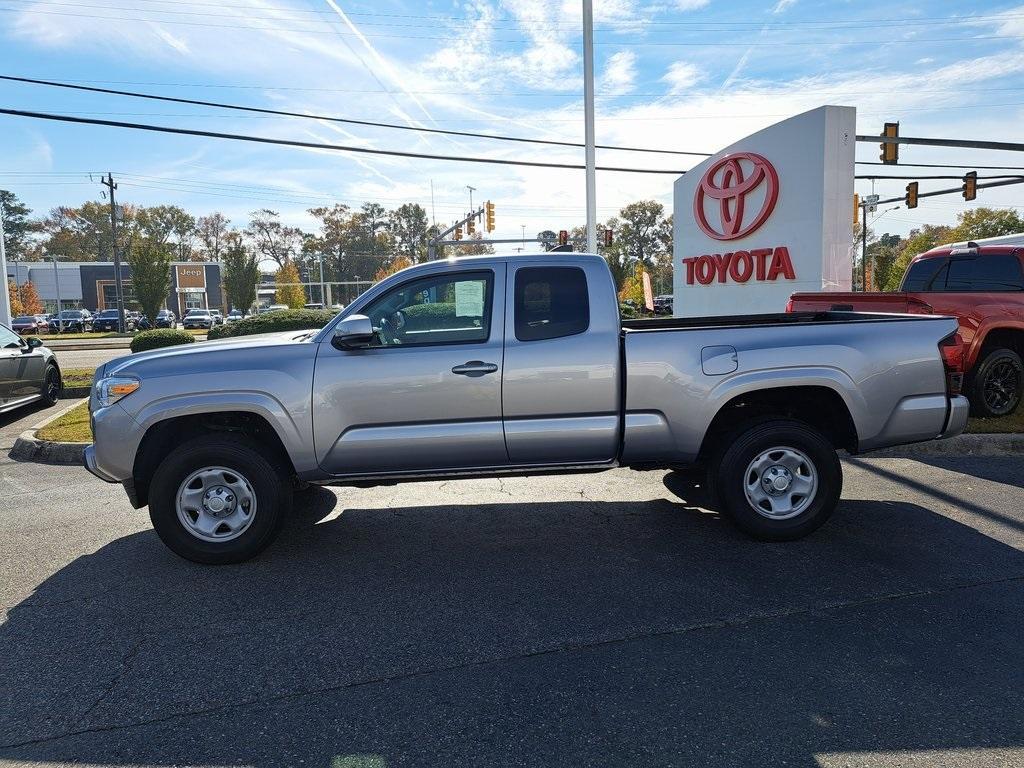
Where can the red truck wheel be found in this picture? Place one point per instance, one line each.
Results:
(996, 384)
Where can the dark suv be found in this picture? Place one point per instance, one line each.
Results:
(166, 319)
(71, 321)
(107, 321)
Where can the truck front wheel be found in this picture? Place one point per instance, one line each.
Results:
(777, 481)
(218, 499)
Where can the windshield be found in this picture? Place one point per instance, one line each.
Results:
(24, 319)
(198, 313)
(69, 314)
(108, 313)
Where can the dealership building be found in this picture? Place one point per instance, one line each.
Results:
(91, 284)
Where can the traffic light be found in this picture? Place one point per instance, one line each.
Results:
(607, 238)
(471, 227)
(489, 219)
(911, 198)
(890, 152)
(970, 187)
(563, 237)
(458, 233)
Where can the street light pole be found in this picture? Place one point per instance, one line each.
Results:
(56, 287)
(5, 299)
(118, 286)
(588, 123)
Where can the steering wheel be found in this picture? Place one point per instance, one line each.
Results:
(390, 326)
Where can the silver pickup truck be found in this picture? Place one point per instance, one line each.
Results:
(514, 365)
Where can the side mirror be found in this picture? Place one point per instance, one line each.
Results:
(34, 343)
(354, 332)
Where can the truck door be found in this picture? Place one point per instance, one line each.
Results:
(561, 385)
(426, 395)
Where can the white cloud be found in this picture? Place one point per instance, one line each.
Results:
(619, 74)
(681, 76)
(691, 5)
(783, 5)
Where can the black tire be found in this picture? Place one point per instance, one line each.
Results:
(996, 384)
(52, 385)
(269, 481)
(815, 458)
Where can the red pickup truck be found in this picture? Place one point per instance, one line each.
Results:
(983, 287)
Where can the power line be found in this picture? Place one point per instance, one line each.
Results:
(317, 145)
(950, 178)
(944, 165)
(330, 118)
(1006, 146)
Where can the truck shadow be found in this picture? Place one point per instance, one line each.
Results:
(541, 633)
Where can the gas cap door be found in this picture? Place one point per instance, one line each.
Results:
(718, 361)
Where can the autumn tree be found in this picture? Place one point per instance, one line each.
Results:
(31, 304)
(213, 234)
(289, 291)
(169, 225)
(271, 239)
(13, 299)
(979, 223)
(83, 233)
(396, 265)
(633, 286)
(241, 273)
(150, 263)
(16, 225)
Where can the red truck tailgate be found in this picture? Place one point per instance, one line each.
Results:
(857, 302)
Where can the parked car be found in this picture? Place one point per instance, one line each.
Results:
(276, 307)
(503, 365)
(663, 305)
(982, 286)
(218, 318)
(166, 319)
(198, 318)
(107, 321)
(26, 324)
(71, 321)
(234, 315)
(28, 372)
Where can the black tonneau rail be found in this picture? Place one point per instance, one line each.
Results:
(774, 318)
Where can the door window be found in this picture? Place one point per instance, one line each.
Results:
(994, 272)
(444, 309)
(550, 302)
(9, 339)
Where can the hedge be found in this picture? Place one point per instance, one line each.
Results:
(160, 337)
(436, 316)
(271, 322)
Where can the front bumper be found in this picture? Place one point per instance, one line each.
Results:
(89, 460)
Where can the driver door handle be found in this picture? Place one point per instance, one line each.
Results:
(474, 368)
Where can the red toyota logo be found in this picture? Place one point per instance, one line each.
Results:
(730, 184)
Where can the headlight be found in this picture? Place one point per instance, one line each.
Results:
(114, 388)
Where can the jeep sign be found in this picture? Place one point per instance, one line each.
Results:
(768, 216)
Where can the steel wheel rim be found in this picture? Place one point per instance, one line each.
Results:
(216, 504)
(780, 483)
(1001, 386)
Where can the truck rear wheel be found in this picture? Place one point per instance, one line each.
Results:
(996, 384)
(218, 499)
(777, 481)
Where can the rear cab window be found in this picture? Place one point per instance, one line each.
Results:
(921, 276)
(986, 273)
(550, 303)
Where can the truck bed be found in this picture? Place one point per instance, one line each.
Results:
(896, 301)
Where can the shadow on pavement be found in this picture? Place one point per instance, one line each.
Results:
(642, 633)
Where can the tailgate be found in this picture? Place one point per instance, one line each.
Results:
(856, 302)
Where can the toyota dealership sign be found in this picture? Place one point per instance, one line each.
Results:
(768, 216)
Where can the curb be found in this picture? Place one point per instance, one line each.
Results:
(989, 444)
(28, 447)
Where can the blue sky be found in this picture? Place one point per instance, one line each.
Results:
(677, 74)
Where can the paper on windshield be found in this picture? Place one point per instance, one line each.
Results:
(469, 298)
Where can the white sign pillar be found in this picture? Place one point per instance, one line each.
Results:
(767, 216)
(5, 299)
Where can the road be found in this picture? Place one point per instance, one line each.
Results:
(87, 358)
(579, 620)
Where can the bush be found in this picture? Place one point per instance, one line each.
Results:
(433, 316)
(272, 322)
(160, 337)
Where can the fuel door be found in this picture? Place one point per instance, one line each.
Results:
(718, 361)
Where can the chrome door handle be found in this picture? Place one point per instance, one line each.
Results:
(474, 368)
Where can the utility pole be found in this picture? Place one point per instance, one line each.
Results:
(588, 123)
(118, 287)
(5, 297)
(471, 191)
(864, 250)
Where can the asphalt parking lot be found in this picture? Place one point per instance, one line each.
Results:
(578, 620)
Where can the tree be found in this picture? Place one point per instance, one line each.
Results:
(30, 301)
(169, 225)
(396, 265)
(288, 291)
(271, 239)
(633, 287)
(918, 241)
(83, 233)
(980, 223)
(644, 233)
(14, 300)
(150, 263)
(475, 245)
(241, 273)
(17, 225)
(408, 226)
(213, 234)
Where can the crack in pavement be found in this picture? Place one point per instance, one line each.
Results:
(126, 661)
(477, 663)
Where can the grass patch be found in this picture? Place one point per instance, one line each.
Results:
(78, 377)
(1012, 423)
(72, 427)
